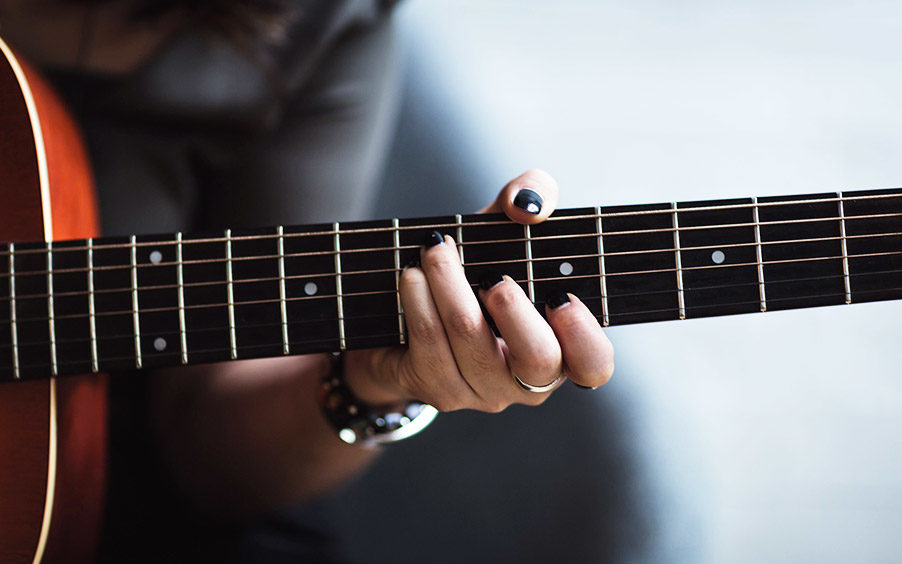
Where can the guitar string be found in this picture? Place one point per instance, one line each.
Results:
(99, 245)
(590, 236)
(737, 303)
(343, 252)
(330, 297)
(331, 341)
(21, 298)
(536, 261)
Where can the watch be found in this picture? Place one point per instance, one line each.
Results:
(359, 423)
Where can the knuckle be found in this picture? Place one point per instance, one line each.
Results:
(429, 332)
(465, 323)
(494, 406)
(441, 263)
(502, 297)
(540, 361)
(412, 279)
(572, 324)
(547, 361)
(437, 369)
(483, 361)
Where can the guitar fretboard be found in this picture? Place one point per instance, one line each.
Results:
(111, 304)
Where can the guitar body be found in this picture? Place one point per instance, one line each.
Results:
(52, 432)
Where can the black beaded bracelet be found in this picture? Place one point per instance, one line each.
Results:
(361, 424)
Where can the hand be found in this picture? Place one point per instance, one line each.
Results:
(453, 360)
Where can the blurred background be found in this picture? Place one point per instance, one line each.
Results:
(756, 438)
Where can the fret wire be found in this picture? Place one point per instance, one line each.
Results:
(14, 332)
(845, 253)
(762, 298)
(342, 344)
(180, 281)
(92, 321)
(286, 348)
(681, 300)
(529, 284)
(542, 238)
(545, 279)
(587, 299)
(517, 261)
(605, 312)
(402, 331)
(51, 320)
(558, 218)
(230, 296)
(460, 236)
(135, 320)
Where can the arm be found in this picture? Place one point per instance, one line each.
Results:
(247, 436)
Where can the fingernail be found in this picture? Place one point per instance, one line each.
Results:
(489, 279)
(433, 239)
(556, 299)
(581, 387)
(414, 262)
(529, 201)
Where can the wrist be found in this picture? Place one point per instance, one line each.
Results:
(357, 371)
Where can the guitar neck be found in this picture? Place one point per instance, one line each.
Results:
(115, 304)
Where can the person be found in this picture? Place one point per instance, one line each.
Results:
(283, 117)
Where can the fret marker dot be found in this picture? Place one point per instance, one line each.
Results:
(718, 257)
(566, 268)
(156, 257)
(159, 344)
(310, 288)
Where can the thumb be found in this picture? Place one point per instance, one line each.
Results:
(529, 198)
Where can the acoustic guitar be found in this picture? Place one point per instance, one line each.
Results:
(73, 306)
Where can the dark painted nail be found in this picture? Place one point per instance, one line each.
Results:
(581, 387)
(556, 299)
(414, 262)
(433, 239)
(489, 279)
(529, 201)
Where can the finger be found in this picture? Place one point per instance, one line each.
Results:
(475, 347)
(534, 354)
(430, 371)
(588, 354)
(529, 198)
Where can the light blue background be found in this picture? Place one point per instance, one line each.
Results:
(765, 438)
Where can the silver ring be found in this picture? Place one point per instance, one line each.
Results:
(538, 389)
